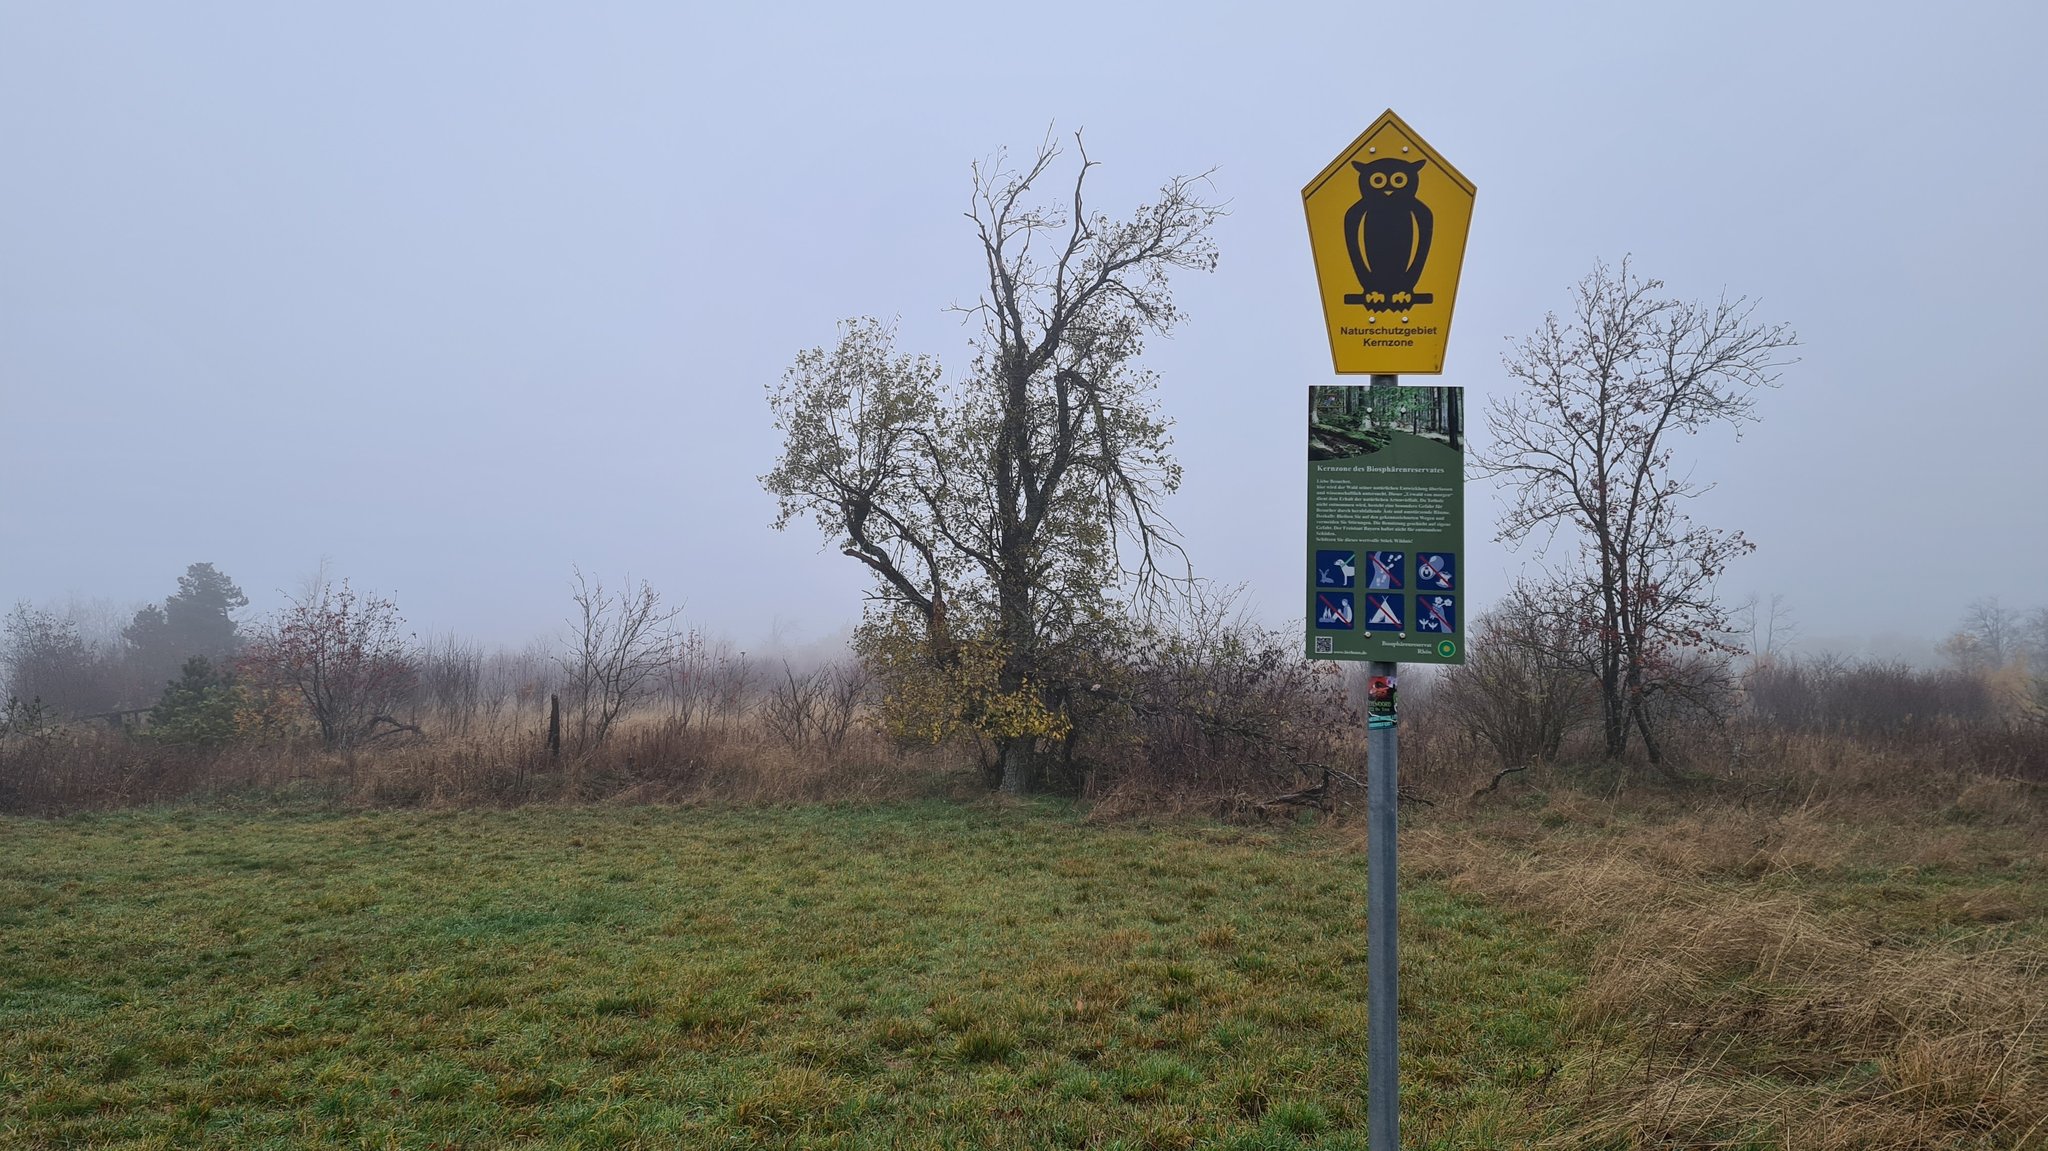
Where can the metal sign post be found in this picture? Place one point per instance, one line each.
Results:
(1382, 935)
(1382, 916)
(1387, 221)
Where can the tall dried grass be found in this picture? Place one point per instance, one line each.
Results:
(650, 757)
(1743, 989)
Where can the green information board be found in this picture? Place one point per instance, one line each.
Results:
(1386, 523)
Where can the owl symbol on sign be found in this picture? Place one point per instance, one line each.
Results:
(1387, 233)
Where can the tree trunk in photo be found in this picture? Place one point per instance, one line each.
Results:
(1634, 688)
(1614, 715)
(554, 727)
(1650, 745)
(1017, 764)
(1019, 633)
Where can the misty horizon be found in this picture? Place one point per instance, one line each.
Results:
(453, 301)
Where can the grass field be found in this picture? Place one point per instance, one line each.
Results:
(922, 976)
(933, 975)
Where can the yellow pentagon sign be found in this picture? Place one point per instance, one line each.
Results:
(1387, 222)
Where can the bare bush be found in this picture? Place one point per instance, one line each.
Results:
(791, 711)
(1209, 704)
(1524, 686)
(451, 683)
(1871, 698)
(345, 656)
(621, 644)
(684, 689)
(48, 656)
(1694, 694)
(730, 685)
(817, 709)
(521, 680)
(708, 681)
(849, 692)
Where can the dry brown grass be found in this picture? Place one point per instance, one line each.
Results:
(1821, 977)
(647, 758)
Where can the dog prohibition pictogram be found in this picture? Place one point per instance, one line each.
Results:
(1336, 568)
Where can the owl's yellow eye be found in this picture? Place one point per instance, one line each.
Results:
(1378, 180)
(1400, 179)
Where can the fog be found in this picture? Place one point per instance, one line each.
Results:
(453, 298)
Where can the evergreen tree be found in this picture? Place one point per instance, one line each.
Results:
(197, 708)
(195, 621)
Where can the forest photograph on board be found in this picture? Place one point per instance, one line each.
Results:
(1354, 419)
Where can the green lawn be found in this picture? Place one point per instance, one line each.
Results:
(915, 976)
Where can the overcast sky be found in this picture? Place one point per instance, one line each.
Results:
(457, 295)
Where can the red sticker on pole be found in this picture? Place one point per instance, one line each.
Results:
(1380, 693)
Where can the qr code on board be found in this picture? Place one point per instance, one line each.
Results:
(1326, 644)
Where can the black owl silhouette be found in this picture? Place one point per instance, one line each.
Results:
(1387, 232)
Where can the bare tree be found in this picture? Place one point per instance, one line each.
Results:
(1006, 508)
(1768, 626)
(621, 644)
(1587, 445)
(1993, 636)
(345, 655)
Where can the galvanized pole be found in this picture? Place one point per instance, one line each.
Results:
(1383, 963)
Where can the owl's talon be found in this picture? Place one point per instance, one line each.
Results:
(1375, 298)
(1403, 298)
